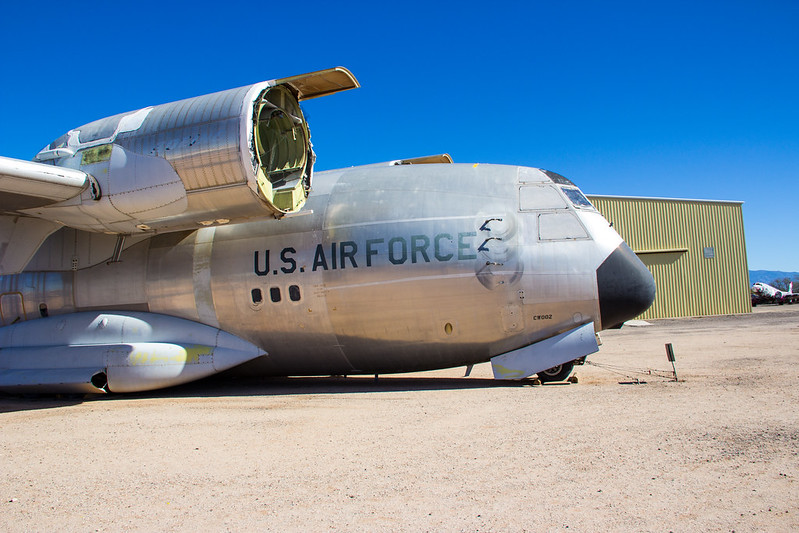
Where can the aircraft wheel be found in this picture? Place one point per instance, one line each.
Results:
(556, 373)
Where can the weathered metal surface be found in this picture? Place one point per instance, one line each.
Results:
(226, 157)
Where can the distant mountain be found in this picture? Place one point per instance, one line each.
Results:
(767, 276)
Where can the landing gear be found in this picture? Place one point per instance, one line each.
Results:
(556, 373)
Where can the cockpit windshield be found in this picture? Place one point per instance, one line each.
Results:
(557, 178)
(577, 198)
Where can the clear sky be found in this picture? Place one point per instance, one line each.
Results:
(673, 99)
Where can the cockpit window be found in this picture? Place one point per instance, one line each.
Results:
(560, 226)
(99, 129)
(557, 178)
(538, 197)
(61, 142)
(576, 197)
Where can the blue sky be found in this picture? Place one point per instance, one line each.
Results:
(673, 99)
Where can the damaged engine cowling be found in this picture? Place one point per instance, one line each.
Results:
(229, 156)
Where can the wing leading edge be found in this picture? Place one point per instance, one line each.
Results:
(26, 184)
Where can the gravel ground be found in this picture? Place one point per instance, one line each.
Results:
(624, 449)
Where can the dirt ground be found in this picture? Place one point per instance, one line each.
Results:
(716, 451)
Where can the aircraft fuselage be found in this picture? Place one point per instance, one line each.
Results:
(388, 268)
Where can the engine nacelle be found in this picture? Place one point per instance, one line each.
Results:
(234, 155)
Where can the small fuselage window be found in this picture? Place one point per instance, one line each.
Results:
(257, 297)
(294, 293)
(274, 294)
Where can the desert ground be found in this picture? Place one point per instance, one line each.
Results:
(626, 448)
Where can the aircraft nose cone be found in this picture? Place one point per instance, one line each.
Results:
(626, 287)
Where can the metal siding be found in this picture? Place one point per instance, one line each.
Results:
(688, 283)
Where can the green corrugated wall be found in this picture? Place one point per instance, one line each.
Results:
(674, 239)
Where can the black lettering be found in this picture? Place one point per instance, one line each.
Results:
(419, 243)
(333, 257)
(256, 262)
(348, 249)
(371, 251)
(463, 246)
(319, 260)
(288, 260)
(437, 247)
(392, 256)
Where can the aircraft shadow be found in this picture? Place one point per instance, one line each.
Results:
(223, 386)
(239, 386)
(34, 402)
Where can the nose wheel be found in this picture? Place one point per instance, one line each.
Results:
(556, 373)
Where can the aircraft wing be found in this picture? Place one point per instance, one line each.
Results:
(26, 184)
(29, 185)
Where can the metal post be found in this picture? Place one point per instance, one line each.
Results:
(670, 355)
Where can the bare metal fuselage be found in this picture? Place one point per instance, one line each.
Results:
(163, 245)
(388, 268)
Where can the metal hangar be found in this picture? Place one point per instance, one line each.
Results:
(695, 249)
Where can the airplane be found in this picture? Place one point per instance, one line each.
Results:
(764, 292)
(160, 246)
